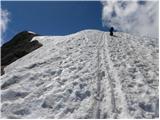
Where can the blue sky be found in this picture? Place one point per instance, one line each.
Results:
(51, 17)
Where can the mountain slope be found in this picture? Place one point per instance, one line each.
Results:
(84, 75)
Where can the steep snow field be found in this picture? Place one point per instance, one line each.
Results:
(84, 75)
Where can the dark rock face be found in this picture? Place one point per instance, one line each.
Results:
(17, 47)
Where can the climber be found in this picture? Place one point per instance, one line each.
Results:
(111, 31)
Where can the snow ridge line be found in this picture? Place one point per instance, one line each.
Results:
(85, 40)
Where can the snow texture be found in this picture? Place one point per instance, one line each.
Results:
(31, 32)
(88, 74)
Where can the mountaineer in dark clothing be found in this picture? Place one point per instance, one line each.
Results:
(111, 31)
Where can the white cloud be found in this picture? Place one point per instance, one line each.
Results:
(136, 17)
(4, 21)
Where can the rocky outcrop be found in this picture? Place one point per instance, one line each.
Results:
(17, 47)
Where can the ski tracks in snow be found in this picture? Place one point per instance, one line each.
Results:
(110, 100)
(86, 75)
(134, 74)
(120, 89)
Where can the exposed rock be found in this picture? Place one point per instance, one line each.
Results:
(17, 47)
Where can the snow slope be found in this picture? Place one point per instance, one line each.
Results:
(84, 75)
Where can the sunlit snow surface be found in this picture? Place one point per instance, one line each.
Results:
(84, 75)
(31, 32)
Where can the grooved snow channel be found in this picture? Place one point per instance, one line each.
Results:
(88, 74)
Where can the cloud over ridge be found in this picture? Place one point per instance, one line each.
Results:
(136, 17)
(4, 21)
